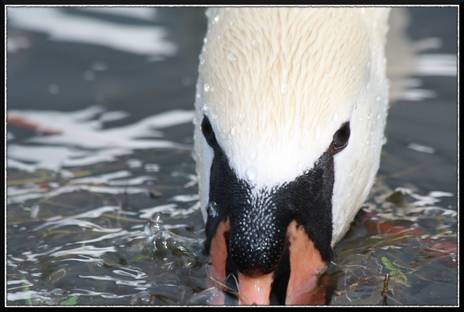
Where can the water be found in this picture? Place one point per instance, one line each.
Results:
(102, 204)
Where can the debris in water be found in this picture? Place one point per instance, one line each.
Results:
(71, 301)
(155, 194)
(26, 123)
(394, 271)
(385, 289)
(396, 198)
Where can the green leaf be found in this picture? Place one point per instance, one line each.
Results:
(138, 258)
(25, 287)
(395, 272)
(388, 265)
(69, 302)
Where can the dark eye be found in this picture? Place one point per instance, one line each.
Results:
(208, 132)
(340, 138)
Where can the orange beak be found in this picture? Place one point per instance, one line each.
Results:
(306, 265)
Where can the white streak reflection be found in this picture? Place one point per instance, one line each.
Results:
(79, 139)
(92, 251)
(62, 26)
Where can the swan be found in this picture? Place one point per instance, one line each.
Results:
(290, 111)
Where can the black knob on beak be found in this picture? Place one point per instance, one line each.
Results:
(257, 236)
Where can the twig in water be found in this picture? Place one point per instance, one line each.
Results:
(226, 289)
(385, 288)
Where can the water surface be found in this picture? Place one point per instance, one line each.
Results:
(102, 205)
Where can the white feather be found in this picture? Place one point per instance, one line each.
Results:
(276, 84)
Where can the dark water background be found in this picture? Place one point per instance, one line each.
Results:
(102, 197)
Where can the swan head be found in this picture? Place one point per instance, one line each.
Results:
(290, 112)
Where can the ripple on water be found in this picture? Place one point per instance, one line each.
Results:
(83, 230)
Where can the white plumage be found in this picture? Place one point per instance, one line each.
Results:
(277, 83)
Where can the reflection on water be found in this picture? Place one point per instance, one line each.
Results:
(102, 198)
(140, 39)
(408, 235)
(408, 60)
(77, 138)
